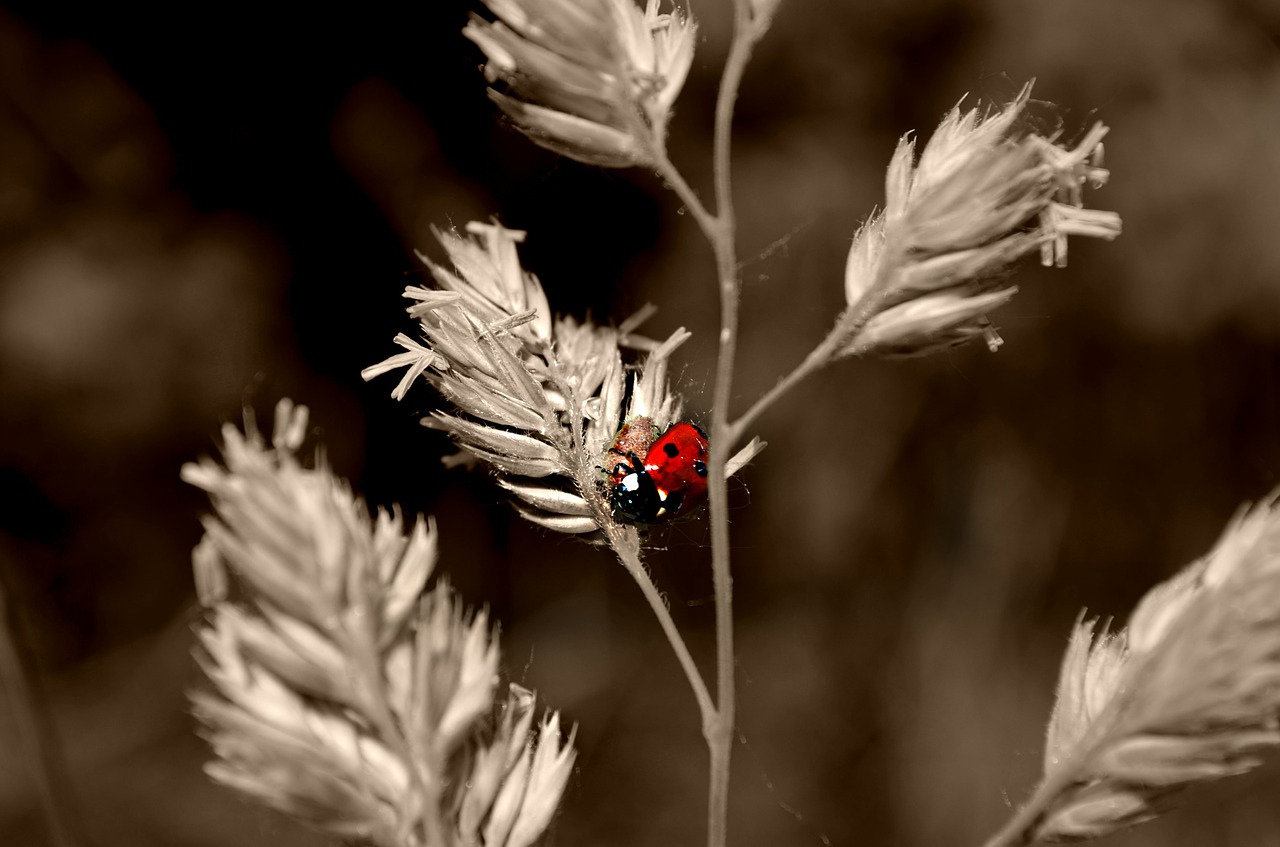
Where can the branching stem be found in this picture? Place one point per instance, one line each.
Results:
(848, 325)
(708, 222)
(720, 230)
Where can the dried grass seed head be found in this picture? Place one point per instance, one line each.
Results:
(982, 194)
(343, 695)
(1189, 692)
(300, 539)
(537, 400)
(594, 80)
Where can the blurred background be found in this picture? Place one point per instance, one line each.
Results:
(209, 208)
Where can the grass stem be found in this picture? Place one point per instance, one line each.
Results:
(848, 325)
(720, 736)
(1020, 829)
(720, 229)
(629, 554)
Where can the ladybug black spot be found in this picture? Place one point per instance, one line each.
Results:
(699, 467)
(671, 450)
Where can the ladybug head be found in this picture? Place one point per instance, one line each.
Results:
(636, 497)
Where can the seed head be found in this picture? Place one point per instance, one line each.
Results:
(344, 694)
(594, 80)
(930, 267)
(1190, 691)
(537, 400)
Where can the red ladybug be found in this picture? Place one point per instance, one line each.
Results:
(671, 479)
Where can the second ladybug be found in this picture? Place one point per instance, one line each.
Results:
(671, 478)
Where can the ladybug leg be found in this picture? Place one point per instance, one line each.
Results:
(623, 467)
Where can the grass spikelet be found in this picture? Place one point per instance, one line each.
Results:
(924, 273)
(344, 693)
(538, 399)
(1188, 692)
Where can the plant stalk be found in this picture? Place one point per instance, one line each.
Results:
(1020, 829)
(848, 325)
(629, 555)
(720, 736)
(720, 230)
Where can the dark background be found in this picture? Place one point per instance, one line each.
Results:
(208, 207)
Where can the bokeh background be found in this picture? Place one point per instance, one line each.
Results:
(204, 208)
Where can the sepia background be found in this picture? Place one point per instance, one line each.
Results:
(210, 207)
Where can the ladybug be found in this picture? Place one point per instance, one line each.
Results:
(671, 479)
